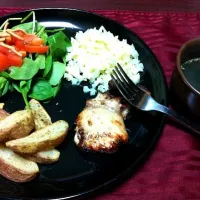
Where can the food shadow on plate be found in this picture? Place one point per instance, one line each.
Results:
(10, 186)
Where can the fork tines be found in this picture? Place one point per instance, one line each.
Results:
(122, 81)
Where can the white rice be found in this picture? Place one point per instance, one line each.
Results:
(94, 54)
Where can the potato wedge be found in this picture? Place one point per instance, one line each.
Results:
(16, 125)
(2, 105)
(15, 167)
(3, 114)
(41, 117)
(44, 157)
(43, 139)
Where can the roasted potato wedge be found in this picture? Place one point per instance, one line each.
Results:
(43, 139)
(16, 125)
(44, 157)
(16, 168)
(41, 117)
(2, 105)
(3, 114)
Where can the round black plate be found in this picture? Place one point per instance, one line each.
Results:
(79, 173)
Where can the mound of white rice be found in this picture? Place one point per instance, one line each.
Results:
(94, 54)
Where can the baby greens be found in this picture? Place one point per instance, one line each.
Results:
(41, 90)
(3, 85)
(28, 27)
(40, 76)
(58, 44)
(57, 71)
(27, 71)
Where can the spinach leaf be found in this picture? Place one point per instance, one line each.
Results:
(56, 89)
(28, 27)
(27, 71)
(41, 31)
(6, 88)
(58, 44)
(40, 60)
(4, 74)
(41, 90)
(64, 59)
(23, 87)
(57, 72)
(48, 65)
(3, 82)
(55, 30)
(44, 36)
(16, 87)
(11, 88)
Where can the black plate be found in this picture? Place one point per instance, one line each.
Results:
(78, 173)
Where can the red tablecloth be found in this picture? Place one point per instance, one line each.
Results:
(173, 169)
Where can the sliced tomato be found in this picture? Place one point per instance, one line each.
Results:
(24, 54)
(20, 45)
(33, 40)
(15, 60)
(9, 40)
(4, 62)
(29, 37)
(36, 49)
(37, 42)
(20, 33)
(4, 50)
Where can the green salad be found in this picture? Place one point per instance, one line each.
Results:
(40, 74)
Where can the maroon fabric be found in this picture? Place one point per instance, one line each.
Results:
(173, 169)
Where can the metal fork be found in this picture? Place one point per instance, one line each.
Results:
(141, 99)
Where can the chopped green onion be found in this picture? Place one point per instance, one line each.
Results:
(25, 18)
(33, 30)
(55, 30)
(40, 31)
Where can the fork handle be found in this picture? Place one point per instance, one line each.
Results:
(179, 118)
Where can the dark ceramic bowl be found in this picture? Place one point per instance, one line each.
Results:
(184, 97)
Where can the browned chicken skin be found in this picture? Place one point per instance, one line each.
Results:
(100, 126)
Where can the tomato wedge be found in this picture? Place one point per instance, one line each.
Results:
(4, 50)
(29, 37)
(33, 40)
(23, 53)
(36, 49)
(20, 33)
(20, 45)
(15, 60)
(4, 62)
(9, 40)
(37, 42)
(31, 44)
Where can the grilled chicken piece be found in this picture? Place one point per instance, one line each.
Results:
(100, 126)
(109, 102)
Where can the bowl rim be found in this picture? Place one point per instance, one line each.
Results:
(178, 63)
